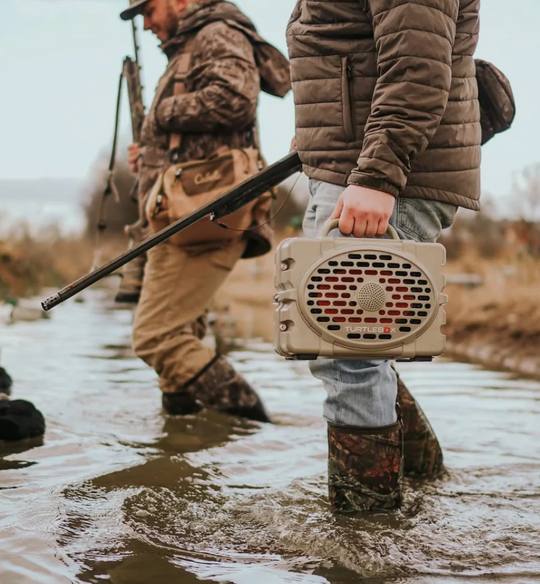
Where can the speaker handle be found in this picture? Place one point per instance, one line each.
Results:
(334, 223)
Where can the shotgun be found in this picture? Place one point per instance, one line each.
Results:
(230, 202)
(132, 75)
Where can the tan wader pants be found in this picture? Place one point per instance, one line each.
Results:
(177, 288)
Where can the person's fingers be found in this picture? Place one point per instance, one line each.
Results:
(371, 228)
(133, 152)
(360, 226)
(336, 214)
(383, 226)
(346, 223)
(381, 230)
(293, 144)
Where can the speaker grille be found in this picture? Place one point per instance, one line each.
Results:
(371, 297)
(368, 296)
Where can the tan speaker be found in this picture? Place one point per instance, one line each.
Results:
(351, 298)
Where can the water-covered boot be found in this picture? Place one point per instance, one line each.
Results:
(132, 273)
(219, 387)
(19, 419)
(423, 454)
(365, 467)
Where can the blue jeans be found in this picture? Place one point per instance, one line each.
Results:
(362, 393)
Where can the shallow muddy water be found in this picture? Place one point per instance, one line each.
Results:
(120, 493)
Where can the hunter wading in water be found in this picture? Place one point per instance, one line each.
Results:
(388, 131)
(205, 104)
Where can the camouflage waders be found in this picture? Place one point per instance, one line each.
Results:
(365, 468)
(218, 387)
(422, 451)
(365, 465)
(169, 326)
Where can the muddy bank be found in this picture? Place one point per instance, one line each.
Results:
(496, 323)
(486, 351)
(500, 333)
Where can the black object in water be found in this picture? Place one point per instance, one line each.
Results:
(5, 381)
(20, 419)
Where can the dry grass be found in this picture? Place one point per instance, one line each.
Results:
(29, 263)
(505, 309)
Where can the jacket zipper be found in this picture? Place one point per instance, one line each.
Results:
(347, 102)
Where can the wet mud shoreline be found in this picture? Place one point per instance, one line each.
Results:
(496, 325)
(487, 349)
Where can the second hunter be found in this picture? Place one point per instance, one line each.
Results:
(199, 135)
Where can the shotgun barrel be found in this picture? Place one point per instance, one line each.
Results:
(231, 201)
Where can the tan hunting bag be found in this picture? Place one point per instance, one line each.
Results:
(185, 187)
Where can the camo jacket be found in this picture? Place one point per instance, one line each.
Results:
(229, 66)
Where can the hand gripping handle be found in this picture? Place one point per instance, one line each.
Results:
(334, 223)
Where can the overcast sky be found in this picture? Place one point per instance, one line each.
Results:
(60, 61)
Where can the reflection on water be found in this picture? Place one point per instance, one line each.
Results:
(118, 492)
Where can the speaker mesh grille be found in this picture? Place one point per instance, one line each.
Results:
(371, 296)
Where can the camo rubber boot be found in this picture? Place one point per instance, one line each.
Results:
(365, 468)
(422, 451)
(132, 273)
(219, 387)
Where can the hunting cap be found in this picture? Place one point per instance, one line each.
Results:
(134, 9)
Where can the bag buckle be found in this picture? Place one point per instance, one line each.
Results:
(157, 208)
(174, 155)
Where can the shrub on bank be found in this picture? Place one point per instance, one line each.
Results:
(30, 261)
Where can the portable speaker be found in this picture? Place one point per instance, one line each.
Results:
(351, 298)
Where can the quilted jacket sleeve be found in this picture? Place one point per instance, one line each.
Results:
(414, 41)
(227, 85)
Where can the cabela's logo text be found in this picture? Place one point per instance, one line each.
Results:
(203, 178)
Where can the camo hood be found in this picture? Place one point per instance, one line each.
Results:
(273, 66)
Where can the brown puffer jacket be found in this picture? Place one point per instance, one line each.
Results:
(386, 95)
(230, 64)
